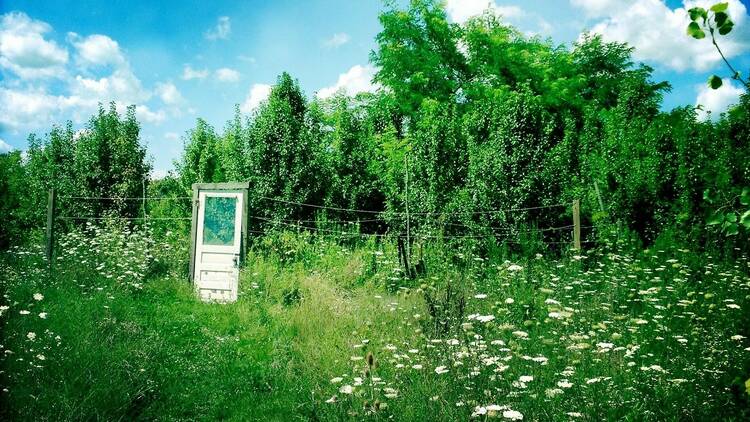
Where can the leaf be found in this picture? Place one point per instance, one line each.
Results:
(726, 28)
(715, 218)
(695, 31)
(731, 217)
(697, 12)
(745, 219)
(720, 18)
(745, 196)
(719, 7)
(714, 82)
(709, 196)
(731, 229)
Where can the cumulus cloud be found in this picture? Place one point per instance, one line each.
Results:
(713, 102)
(5, 147)
(189, 73)
(337, 40)
(97, 50)
(355, 80)
(221, 31)
(169, 94)
(99, 72)
(226, 74)
(258, 93)
(461, 10)
(145, 114)
(24, 49)
(658, 32)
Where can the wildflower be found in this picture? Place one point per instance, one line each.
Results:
(331, 400)
(485, 318)
(336, 380)
(417, 366)
(441, 370)
(24, 312)
(514, 268)
(513, 415)
(479, 411)
(553, 392)
(390, 393)
(40, 357)
(43, 315)
(737, 337)
(31, 335)
(509, 301)
(38, 296)
(346, 389)
(480, 296)
(521, 334)
(526, 378)
(564, 383)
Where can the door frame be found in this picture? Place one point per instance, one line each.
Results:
(231, 187)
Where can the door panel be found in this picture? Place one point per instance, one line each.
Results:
(218, 245)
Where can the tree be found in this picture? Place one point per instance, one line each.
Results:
(201, 160)
(418, 55)
(284, 158)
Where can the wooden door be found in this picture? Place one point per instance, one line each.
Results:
(217, 245)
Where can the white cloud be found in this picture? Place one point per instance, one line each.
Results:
(221, 31)
(461, 10)
(258, 93)
(145, 114)
(99, 73)
(337, 40)
(25, 51)
(189, 73)
(5, 147)
(169, 94)
(226, 74)
(28, 108)
(658, 32)
(122, 85)
(716, 101)
(172, 136)
(97, 50)
(355, 80)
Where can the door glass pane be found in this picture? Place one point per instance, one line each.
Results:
(218, 220)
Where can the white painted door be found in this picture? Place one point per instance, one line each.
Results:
(217, 246)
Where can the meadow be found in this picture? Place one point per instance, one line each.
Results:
(330, 329)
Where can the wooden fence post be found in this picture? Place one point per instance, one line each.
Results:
(577, 224)
(50, 235)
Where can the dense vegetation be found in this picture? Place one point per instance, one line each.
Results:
(487, 118)
(496, 133)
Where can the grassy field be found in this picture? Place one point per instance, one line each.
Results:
(325, 331)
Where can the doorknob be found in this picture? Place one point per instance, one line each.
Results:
(236, 261)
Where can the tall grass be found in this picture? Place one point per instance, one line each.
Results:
(331, 330)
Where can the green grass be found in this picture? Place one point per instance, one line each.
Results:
(654, 335)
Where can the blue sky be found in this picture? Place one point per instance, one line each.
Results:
(179, 60)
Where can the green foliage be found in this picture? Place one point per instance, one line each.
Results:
(13, 200)
(714, 82)
(721, 23)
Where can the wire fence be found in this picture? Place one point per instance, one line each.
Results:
(340, 227)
